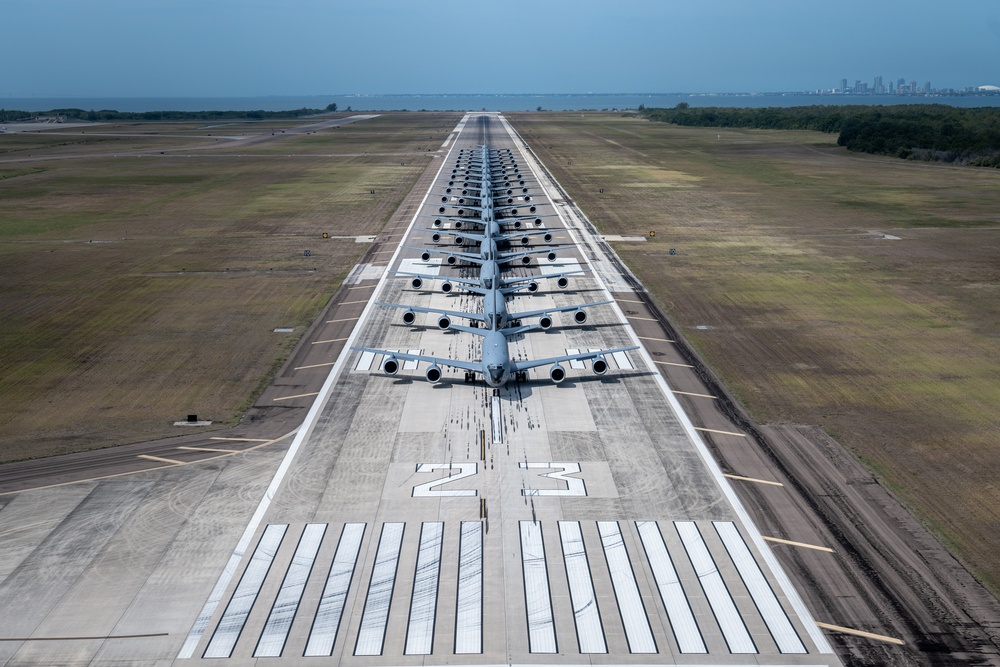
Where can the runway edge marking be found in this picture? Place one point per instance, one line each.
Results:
(208, 610)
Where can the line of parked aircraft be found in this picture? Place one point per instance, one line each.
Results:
(482, 190)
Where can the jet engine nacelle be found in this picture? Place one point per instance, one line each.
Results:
(600, 365)
(433, 373)
(525, 260)
(532, 209)
(547, 237)
(409, 317)
(444, 322)
(437, 223)
(461, 211)
(417, 283)
(562, 282)
(524, 190)
(525, 240)
(557, 373)
(452, 260)
(435, 237)
(425, 256)
(517, 224)
(441, 209)
(551, 256)
(545, 322)
(580, 316)
(460, 240)
(447, 287)
(527, 197)
(390, 366)
(458, 224)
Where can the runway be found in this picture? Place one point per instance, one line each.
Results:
(410, 523)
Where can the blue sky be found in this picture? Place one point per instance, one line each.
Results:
(228, 48)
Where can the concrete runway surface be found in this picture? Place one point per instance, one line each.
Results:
(408, 523)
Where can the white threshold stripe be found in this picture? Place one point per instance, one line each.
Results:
(682, 621)
(469, 605)
(208, 610)
(233, 619)
(365, 361)
(633, 613)
(279, 621)
(423, 603)
(537, 600)
(325, 626)
(586, 614)
(575, 363)
(375, 618)
(763, 595)
(730, 622)
(566, 217)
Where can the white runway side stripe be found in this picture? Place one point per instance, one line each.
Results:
(371, 635)
(633, 613)
(763, 596)
(229, 628)
(423, 604)
(279, 621)
(730, 621)
(537, 600)
(469, 608)
(682, 620)
(338, 583)
(589, 630)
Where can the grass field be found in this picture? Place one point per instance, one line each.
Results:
(137, 290)
(813, 317)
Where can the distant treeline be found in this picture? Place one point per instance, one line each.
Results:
(9, 116)
(912, 131)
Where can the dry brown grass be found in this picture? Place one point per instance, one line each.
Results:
(892, 346)
(137, 290)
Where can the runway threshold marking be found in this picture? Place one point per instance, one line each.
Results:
(712, 430)
(860, 633)
(797, 544)
(160, 459)
(331, 340)
(752, 479)
(288, 398)
(691, 393)
(299, 368)
(670, 363)
(209, 449)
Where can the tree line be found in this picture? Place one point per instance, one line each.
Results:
(9, 116)
(912, 131)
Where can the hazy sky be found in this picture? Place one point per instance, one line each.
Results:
(231, 48)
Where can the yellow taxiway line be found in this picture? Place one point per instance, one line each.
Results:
(659, 340)
(332, 340)
(351, 303)
(860, 633)
(241, 439)
(299, 368)
(343, 319)
(150, 457)
(691, 393)
(288, 398)
(636, 317)
(209, 449)
(670, 363)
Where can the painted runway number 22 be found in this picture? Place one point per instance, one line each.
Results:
(560, 470)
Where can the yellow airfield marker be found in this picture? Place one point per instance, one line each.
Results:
(661, 340)
(860, 633)
(350, 303)
(332, 340)
(342, 319)
(691, 393)
(160, 459)
(299, 368)
(288, 398)
(753, 479)
(636, 317)
(209, 449)
(242, 439)
(670, 363)
(712, 430)
(797, 544)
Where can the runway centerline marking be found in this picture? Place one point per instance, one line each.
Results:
(798, 544)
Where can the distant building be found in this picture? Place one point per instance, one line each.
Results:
(843, 85)
(927, 88)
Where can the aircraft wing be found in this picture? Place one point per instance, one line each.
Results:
(560, 309)
(468, 256)
(533, 363)
(427, 276)
(406, 356)
(436, 311)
